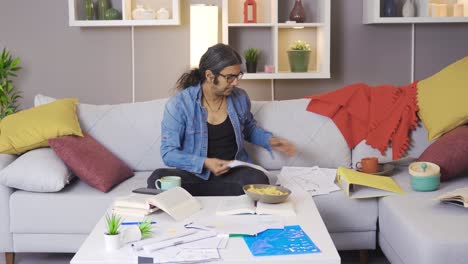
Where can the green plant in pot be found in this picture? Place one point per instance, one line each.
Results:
(251, 58)
(112, 236)
(298, 55)
(9, 95)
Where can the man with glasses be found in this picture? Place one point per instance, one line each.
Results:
(205, 125)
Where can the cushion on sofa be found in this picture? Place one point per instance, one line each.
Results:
(31, 128)
(416, 228)
(38, 170)
(418, 143)
(442, 99)
(450, 152)
(317, 139)
(132, 131)
(91, 161)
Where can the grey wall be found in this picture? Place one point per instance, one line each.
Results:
(94, 64)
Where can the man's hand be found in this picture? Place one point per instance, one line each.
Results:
(217, 166)
(283, 145)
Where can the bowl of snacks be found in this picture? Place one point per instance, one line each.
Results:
(267, 193)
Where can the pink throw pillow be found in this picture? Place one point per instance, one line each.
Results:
(91, 161)
(450, 152)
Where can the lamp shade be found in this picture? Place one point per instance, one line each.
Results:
(203, 30)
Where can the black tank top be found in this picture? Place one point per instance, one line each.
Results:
(222, 140)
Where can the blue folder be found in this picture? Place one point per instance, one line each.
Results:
(288, 241)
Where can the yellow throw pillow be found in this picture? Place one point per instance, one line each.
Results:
(442, 99)
(31, 128)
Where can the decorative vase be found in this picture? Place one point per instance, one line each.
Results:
(297, 13)
(251, 67)
(408, 9)
(250, 11)
(89, 9)
(102, 6)
(162, 13)
(389, 8)
(112, 242)
(112, 14)
(299, 60)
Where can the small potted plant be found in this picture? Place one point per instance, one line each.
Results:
(9, 95)
(112, 235)
(251, 58)
(298, 55)
(146, 228)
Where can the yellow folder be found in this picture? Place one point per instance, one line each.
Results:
(363, 185)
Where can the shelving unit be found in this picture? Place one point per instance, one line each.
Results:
(272, 35)
(372, 10)
(77, 16)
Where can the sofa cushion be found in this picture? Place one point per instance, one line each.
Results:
(91, 161)
(38, 170)
(421, 229)
(317, 139)
(83, 205)
(450, 152)
(417, 146)
(341, 214)
(115, 126)
(131, 131)
(442, 99)
(31, 128)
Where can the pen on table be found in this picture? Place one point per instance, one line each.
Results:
(135, 223)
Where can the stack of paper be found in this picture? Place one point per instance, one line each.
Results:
(134, 204)
(314, 180)
(186, 246)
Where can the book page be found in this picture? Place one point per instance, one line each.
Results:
(281, 209)
(237, 163)
(458, 197)
(176, 202)
(236, 205)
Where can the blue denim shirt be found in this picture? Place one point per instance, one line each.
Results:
(184, 132)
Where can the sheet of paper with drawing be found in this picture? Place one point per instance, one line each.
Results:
(314, 180)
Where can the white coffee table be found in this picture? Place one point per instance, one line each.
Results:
(308, 217)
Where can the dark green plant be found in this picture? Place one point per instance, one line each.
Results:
(8, 94)
(113, 222)
(146, 228)
(251, 55)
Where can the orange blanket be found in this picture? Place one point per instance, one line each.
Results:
(382, 115)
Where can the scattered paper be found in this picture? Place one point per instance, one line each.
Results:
(315, 180)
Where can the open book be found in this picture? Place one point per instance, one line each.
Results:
(363, 185)
(244, 205)
(457, 197)
(176, 202)
(133, 205)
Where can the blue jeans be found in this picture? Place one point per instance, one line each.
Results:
(227, 184)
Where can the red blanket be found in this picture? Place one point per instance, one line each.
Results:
(382, 115)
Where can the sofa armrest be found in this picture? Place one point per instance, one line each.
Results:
(6, 238)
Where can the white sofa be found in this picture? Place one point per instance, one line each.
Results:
(411, 228)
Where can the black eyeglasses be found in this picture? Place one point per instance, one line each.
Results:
(231, 77)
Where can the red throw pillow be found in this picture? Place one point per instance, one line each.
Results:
(91, 161)
(450, 152)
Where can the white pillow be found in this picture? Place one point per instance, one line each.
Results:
(38, 170)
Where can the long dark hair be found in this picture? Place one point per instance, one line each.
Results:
(215, 59)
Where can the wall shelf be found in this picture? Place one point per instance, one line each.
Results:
(77, 16)
(272, 35)
(372, 15)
